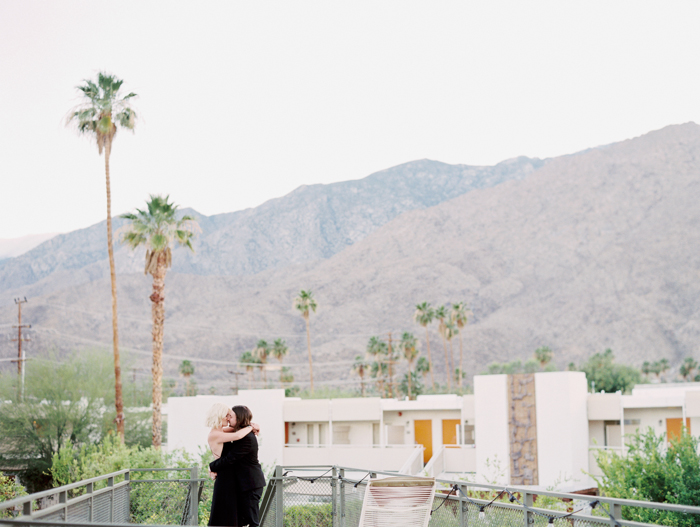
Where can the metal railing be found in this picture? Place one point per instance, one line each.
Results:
(123, 497)
(332, 496)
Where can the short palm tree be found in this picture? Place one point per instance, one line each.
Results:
(686, 370)
(424, 315)
(379, 349)
(279, 351)
(460, 316)
(441, 315)
(158, 228)
(360, 367)
(379, 370)
(408, 348)
(248, 361)
(423, 366)
(305, 304)
(543, 355)
(103, 107)
(261, 352)
(187, 370)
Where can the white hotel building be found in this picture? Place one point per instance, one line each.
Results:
(541, 429)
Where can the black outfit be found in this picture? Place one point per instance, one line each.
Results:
(244, 481)
(224, 510)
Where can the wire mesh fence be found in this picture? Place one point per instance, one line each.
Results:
(306, 496)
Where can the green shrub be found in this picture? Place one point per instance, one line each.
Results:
(652, 471)
(310, 515)
(9, 490)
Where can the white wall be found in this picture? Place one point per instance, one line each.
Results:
(562, 427)
(186, 415)
(367, 458)
(491, 418)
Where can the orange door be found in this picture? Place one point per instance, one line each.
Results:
(424, 436)
(449, 431)
(673, 427)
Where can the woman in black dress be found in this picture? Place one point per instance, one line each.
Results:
(224, 506)
(241, 471)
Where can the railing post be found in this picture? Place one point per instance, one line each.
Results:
(463, 506)
(616, 512)
(334, 497)
(110, 483)
(527, 515)
(27, 508)
(88, 490)
(194, 505)
(279, 497)
(62, 498)
(127, 477)
(342, 497)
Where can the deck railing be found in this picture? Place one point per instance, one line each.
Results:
(332, 496)
(131, 496)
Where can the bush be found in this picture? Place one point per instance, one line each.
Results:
(653, 472)
(9, 490)
(309, 515)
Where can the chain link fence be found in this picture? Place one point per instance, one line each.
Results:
(310, 497)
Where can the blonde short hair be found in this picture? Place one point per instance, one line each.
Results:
(216, 416)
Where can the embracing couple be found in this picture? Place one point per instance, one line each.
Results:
(238, 477)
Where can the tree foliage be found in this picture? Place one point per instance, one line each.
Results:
(654, 471)
(603, 374)
(67, 401)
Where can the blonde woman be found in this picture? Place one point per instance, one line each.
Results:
(218, 419)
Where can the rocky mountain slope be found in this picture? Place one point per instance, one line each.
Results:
(313, 222)
(589, 251)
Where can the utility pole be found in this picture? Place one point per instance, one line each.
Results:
(19, 340)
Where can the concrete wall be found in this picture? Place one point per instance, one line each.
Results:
(562, 427)
(604, 406)
(367, 458)
(186, 428)
(491, 417)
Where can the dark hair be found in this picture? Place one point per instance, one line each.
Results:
(243, 416)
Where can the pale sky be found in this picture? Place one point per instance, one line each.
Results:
(245, 101)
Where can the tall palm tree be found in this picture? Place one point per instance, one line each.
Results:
(261, 352)
(248, 361)
(305, 304)
(460, 316)
(103, 108)
(408, 348)
(158, 228)
(424, 315)
(360, 367)
(440, 315)
(449, 332)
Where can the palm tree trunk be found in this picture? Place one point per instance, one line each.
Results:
(308, 345)
(409, 381)
(362, 385)
(452, 359)
(447, 365)
(158, 313)
(118, 399)
(461, 360)
(430, 359)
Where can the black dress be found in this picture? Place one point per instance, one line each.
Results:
(240, 462)
(224, 511)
